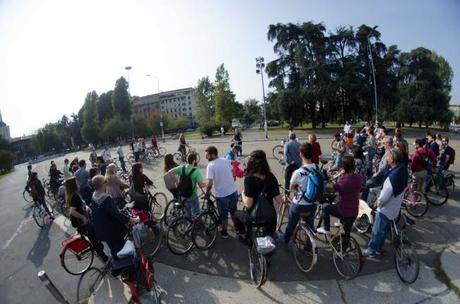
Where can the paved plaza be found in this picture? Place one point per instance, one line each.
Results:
(220, 275)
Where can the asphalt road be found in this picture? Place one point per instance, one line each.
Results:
(25, 249)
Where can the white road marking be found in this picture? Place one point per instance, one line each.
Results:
(16, 233)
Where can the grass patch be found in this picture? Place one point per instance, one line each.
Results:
(442, 276)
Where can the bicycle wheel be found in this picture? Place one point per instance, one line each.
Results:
(437, 195)
(347, 259)
(159, 202)
(153, 240)
(173, 211)
(257, 266)
(407, 262)
(205, 231)
(198, 158)
(179, 236)
(177, 157)
(304, 249)
(415, 204)
(278, 152)
(77, 257)
(27, 197)
(280, 216)
(162, 151)
(89, 284)
(362, 224)
(39, 216)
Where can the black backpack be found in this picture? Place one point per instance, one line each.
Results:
(424, 159)
(185, 186)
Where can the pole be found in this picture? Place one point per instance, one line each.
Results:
(162, 128)
(373, 74)
(128, 68)
(265, 108)
(51, 288)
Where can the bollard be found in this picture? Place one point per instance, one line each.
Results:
(51, 288)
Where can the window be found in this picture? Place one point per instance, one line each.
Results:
(190, 109)
(189, 102)
(188, 97)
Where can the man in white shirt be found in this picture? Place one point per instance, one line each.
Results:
(106, 156)
(347, 128)
(66, 169)
(121, 157)
(219, 173)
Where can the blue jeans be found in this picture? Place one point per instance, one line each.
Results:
(338, 160)
(294, 212)
(371, 183)
(379, 231)
(227, 205)
(192, 207)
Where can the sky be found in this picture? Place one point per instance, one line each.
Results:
(53, 52)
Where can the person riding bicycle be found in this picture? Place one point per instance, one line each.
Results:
(29, 174)
(448, 155)
(38, 193)
(155, 144)
(349, 187)
(421, 159)
(300, 204)
(238, 139)
(292, 160)
(82, 177)
(169, 179)
(190, 177)
(139, 182)
(378, 177)
(55, 176)
(232, 153)
(182, 147)
(109, 223)
(79, 217)
(389, 202)
(115, 186)
(93, 157)
(259, 179)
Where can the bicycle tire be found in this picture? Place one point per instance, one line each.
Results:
(153, 242)
(280, 216)
(436, 195)
(304, 249)
(204, 231)
(179, 236)
(278, 152)
(159, 202)
(89, 283)
(177, 157)
(171, 213)
(84, 259)
(27, 197)
(39, 216)
(257, 266)
(349, 258)
(410, 259)
(416, 204)
(162, 151)
(362, 224)
(198, 158)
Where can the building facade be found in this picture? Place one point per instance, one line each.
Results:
(177, 103)
(4, 128)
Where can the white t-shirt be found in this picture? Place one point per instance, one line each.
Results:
(106, 155)
(298, 178)
(120, 152)
(220, 171)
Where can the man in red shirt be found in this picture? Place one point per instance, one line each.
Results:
(316, 149)
(420, 163)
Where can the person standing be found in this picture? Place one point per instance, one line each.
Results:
(388, 203)
(338, 149)
(220, 175)
(238, 139)
(155, 144)
(292, 159)
(93, 157)
(66, 169)
(106, 156)
(82, 177)
(347, 128)
(421, 159)
(121, 157)
(169, 178)
(448, 154)
(140, 182)
(316, 149)
(115, 186)
(222, 131)
(432, 144)
(183, 147)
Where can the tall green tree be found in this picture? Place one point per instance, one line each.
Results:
(225, 105)
(121, 100)
(204, 98)
(104, 106)
(251, 111)
(91, 130)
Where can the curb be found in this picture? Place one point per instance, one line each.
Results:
(449, 267)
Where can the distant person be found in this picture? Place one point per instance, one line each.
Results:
(232, 153)
(183, 147)
(101, 165)
(347, 128)
(115, 186)
(140, 182)
(398, 138)
(38, 193)
(338, 150)
(106, 156)
(292, 159)
(432, 144)
(93, 157)
(121, 157)
(238, 139)
(82, 177)
(66, 169)
(222, 131)
(316, 149)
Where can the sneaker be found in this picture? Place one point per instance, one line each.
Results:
(369, 253)
(224, 234)
(322, 230)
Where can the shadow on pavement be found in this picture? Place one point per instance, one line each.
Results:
(40, 249)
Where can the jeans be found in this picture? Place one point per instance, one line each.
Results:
(379, 231)
(370, 156)
(420, 180)
(338, 161)
(371, 183)
(88, 231)
(294, 212)
(122, 163)
(192, 207)
(227, 205)
(287, 176)
(346, 221)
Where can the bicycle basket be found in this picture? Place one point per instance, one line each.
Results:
(77, 244)
(265, 245)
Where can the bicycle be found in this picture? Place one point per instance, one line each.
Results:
(157, 202)
(179, 158)
(157, 152)
(346, 256)
(27, 196)
(205, 229)
(258, 264)
(436, 191)
(414, 201)
(407, 263)
(77, 254)
(278, 151)
(39, 214)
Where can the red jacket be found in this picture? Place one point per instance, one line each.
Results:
(417, 164)
(315, 152)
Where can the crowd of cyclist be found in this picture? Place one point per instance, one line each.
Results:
(358, 158)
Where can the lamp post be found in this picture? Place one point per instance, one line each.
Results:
(162, 128)
(260, 65)
(158, 81)
(373, 73)
(128, 68)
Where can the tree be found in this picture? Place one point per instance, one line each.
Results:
(140, 127)
(121, 100)
(104, 106)
(203, 95)
(49, 138)
(225, 105)
(115, 128)
(91, 129)
(4, 143)
(251, 111)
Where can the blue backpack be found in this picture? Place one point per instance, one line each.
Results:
(313, 185)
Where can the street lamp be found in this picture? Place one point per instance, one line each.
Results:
(260, 65)
(128, 68)
(373, 72)
(158, 81)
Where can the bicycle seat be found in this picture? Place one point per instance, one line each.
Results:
(324, 161)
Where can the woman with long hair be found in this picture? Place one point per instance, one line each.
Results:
(169, 178)
(115, 186)
(140, 181)
(259, 179)
(79, 217)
